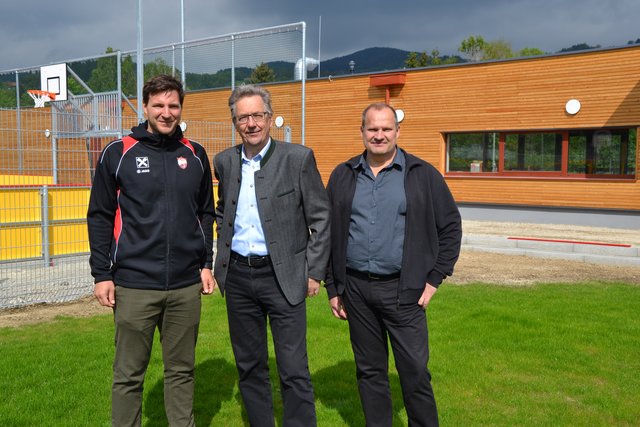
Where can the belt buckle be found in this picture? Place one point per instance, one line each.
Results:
(373, 276)
(258, 261)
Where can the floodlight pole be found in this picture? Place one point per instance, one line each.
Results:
(140, 65)
(182, 71)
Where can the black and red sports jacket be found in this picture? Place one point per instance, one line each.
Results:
(151, 212)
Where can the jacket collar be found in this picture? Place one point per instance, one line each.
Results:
(267, 155)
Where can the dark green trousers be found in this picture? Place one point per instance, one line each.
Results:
(176, 314)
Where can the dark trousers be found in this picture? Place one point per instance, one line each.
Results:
(374, 314)
(176, 314)
(253, 295)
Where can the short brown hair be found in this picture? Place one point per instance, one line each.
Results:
(162, 83)
(379, 106)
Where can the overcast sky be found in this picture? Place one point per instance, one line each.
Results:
(37, 32)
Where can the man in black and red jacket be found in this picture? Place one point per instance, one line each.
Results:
(150, 222)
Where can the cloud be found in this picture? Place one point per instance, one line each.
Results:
(34, 32)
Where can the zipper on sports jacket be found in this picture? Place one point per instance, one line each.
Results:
(166, 209)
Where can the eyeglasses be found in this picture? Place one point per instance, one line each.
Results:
(257, 117)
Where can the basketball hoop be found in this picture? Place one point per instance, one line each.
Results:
(41, 96)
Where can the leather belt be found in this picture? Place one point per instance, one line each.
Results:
(251, 260)
(365, 275)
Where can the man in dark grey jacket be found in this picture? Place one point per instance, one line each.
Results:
(272, 219)
(395, 235)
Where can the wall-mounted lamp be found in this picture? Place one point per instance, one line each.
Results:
(400, 115)
(572, 106)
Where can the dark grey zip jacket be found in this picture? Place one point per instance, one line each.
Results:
(433, 228)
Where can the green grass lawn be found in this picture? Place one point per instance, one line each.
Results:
(556, 355)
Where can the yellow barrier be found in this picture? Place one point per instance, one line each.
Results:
(21, 221)
(25, 180)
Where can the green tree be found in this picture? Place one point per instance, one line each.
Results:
(435, 57)
(473, 47)
(452, 60)
(412, 60)
(104, 76)
(415, 59)
(579, 46)
(496, 49)
(8, 98)
(531, 51)
(262, 74)
(157, 67)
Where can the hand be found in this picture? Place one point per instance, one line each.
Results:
(337, 308)
(209, 284)
(105, 293)
(426, 295)
(314, 288)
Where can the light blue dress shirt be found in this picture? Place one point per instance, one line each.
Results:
(248, 236)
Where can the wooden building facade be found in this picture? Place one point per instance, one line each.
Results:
(551, 131)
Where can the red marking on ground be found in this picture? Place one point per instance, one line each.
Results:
(579, 242)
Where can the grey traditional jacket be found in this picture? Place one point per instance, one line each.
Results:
(294, 213)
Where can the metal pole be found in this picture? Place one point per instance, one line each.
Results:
(120, 96)
(54, 157)
(19, 124)
(183, 72)
(140, 65)
(319, 41)
(173, 60)
(44, 203)
(304, 78)
(233, 81)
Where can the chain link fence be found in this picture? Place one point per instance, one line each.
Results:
(48, 155)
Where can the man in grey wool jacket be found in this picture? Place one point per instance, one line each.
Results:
(272, 219)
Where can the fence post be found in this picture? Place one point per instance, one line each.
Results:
(44, 218)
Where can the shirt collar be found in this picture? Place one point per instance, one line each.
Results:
(259, 156)
(399, 161)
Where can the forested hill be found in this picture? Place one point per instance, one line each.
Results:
(367, 60)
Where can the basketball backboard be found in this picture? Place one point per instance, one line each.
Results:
(53, 78)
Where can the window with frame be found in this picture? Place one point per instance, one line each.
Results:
(539, 152)
(603, 152)
(472, 152)
(590, 153)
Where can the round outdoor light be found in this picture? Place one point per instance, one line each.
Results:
(572, 107)
(279, 121)
(183, 126)
(400, 115)
(47, 133)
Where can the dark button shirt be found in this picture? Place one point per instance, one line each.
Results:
(378, 212)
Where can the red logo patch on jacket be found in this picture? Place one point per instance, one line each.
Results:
(182, 162)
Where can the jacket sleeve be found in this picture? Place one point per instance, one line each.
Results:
(103, 203)
(316, 211)
(219, 208)
(330, 284)
(206, 211)
(449, 227)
